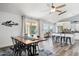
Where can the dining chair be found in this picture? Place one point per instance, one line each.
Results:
(16, 47)
(35, 47)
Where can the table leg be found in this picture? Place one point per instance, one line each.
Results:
(34, 49)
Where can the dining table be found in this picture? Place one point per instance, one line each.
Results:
(30, 42)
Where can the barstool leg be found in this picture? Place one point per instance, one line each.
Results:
(56, 39)
(52, 38)
(70, 41)
(66, 40)
(61, 41)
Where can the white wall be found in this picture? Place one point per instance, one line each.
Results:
(5, 31)
(77, 29)
(75, 26)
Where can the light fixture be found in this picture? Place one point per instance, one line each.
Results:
(53, 9)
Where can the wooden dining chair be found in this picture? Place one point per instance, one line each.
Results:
(16, 48)
(13, 48)
(35, 47)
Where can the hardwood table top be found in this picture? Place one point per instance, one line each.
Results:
(28, 41)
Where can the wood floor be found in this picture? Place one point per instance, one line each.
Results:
(66, 50)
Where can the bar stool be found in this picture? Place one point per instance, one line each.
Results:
(57, 37)
(68, 38)
(62, 39)
(53, 37)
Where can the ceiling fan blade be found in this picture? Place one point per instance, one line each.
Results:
(58, 11)
(62, 13)
(61, 6)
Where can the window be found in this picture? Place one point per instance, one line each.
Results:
(31, 27)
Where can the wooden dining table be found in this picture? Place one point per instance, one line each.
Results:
(30, 42)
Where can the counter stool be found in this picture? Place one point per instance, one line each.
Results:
(57, 37)
(62, 39)
(53, 37)
(68, 38)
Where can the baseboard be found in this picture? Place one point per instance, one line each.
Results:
(6, 47)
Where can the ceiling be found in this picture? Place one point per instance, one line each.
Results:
(40, 10)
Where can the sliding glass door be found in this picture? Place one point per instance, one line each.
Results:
(31, 27)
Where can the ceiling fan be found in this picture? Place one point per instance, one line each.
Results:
(57, 9)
